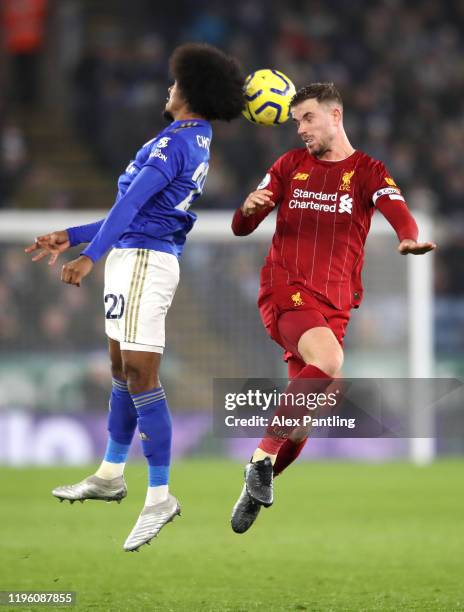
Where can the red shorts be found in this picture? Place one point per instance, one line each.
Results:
(288, 311)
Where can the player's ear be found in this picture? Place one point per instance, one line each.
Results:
(337, 115)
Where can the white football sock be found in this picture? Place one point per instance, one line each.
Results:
(109, 470)
(156, 495)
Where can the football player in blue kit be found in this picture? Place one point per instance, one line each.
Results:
(146, 230)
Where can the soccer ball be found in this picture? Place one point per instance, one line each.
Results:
(267, 94)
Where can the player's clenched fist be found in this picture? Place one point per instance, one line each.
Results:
(77, 269)
(257, 200)
(49, 244)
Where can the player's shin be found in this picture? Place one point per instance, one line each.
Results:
(122, 421)
(310, 381)
(291, 449)
(154, 421)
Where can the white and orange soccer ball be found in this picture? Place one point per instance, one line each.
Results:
(268, 94)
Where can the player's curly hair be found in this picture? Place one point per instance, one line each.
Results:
(210, 81)
(323, 92)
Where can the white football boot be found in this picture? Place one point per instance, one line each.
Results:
(93, 487)
(150, 522)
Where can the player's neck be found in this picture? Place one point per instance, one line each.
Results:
(184, 115)
(341, 149)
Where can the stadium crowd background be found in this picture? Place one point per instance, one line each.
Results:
(101, 70)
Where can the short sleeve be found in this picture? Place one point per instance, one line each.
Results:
(168, 155)
(381, 186)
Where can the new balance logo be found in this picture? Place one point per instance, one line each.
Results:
(345, 204)
(300, 176)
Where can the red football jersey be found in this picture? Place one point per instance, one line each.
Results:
(323, 218)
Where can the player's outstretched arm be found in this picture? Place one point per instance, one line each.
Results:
(254, 209)
(405, 226)
(52, 245)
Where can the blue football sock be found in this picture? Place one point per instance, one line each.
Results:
(115, 452)
(158, 475)
(122, 421)
(155, 429)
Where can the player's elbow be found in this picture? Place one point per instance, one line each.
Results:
(240, 231)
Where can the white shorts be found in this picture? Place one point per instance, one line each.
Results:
(139, 287)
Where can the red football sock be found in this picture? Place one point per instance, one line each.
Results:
(287, 454)
(294, 366)
(275, 435)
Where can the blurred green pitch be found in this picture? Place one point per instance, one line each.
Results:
(339, 537)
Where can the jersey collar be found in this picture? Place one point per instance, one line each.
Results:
(189, 123)
(325, 162)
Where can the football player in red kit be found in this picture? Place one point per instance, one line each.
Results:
(325, 194)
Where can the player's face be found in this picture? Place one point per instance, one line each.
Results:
(317, 125)
(174, 102)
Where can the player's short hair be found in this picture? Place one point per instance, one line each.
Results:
(323, 92)
(210, 81)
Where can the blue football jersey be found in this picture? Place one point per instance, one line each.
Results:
(181, 154)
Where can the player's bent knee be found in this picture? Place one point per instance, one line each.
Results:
(136, 377)
(139, 377)
(330, 363)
